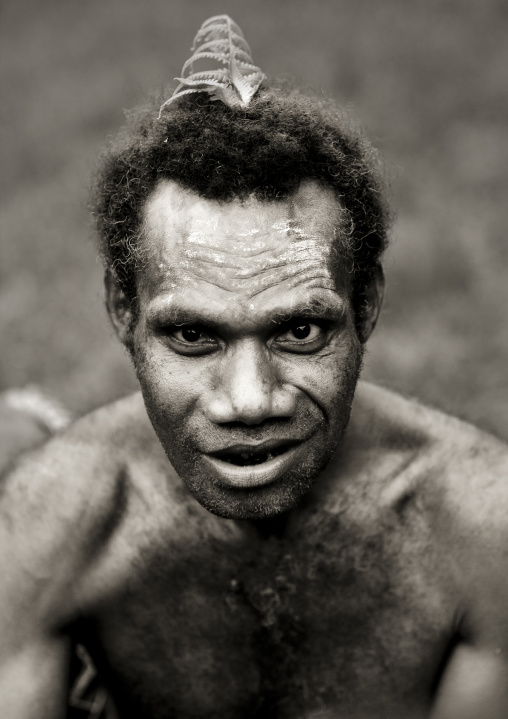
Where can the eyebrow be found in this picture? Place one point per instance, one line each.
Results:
(313, 309)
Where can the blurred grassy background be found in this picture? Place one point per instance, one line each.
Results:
(429, 81)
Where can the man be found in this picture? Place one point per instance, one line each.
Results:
(254, 534)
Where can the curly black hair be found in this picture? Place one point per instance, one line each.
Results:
(224, 153)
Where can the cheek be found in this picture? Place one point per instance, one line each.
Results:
(329, 377)
(170, 384)
(323, 382)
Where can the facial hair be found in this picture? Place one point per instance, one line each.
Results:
(184, 446)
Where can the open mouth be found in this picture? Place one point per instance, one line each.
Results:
(244, 466)
(250, 457)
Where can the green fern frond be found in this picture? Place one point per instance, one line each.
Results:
(221, 40)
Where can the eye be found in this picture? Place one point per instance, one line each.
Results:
(189, 334)
(302, 336)
(190, 340)
(304, 331)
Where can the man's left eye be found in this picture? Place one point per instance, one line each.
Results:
(190, 334)
(303, 333)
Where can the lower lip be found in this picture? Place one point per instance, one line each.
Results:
(256, 475)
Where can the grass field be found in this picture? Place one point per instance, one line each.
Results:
(429, 81)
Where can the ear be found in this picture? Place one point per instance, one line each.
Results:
(119, 307)
(373, 300)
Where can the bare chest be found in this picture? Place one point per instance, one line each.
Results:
(292, 629)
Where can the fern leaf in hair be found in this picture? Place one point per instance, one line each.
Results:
(233, 79)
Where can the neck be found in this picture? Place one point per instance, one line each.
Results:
(270, 527)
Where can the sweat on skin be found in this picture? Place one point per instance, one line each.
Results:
(251, 251)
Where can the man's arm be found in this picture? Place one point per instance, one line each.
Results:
(475, 685)
(33, 664)
(33, 677)
(475, 682)
(33, 658)
(52, 510)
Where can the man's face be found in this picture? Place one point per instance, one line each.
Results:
(245, 346)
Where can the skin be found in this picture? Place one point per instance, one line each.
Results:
(364, 575)
(242, 279)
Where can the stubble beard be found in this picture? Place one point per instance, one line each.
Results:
(287, 491)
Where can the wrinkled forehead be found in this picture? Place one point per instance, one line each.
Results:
(185, 235)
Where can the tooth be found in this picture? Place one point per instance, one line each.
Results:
(269, 456)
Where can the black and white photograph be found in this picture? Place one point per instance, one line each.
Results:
(254, 359)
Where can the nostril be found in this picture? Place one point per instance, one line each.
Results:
(233, 404)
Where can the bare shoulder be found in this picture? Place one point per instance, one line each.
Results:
(457, 476)
(452, 452)
(79, 467)
(60, 505)
(457, 471)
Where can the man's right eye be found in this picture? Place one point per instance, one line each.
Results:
(188, 334)
(190, 339)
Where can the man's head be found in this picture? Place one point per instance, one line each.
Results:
(226, 154)
(243, 249)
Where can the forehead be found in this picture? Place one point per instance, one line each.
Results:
(244, 255)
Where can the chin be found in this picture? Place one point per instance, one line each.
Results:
(254, 503)
(272, 486)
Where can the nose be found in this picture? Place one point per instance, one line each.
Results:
(249, 389)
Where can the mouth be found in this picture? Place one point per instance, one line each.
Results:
(247, 466)
(245, 456)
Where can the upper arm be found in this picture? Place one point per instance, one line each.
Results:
(475, 684)
(34, 678)
(475, 681)
(33, 656)
(52, 510)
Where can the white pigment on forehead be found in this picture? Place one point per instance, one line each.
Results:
(244, 249)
